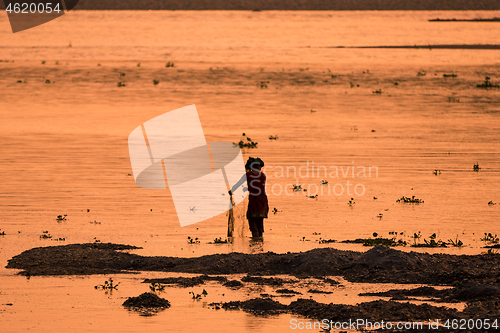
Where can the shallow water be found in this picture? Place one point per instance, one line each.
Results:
(64, 144)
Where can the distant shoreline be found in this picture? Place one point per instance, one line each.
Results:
(495, 19)
(258, 5)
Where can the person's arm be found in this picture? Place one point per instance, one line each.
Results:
(240, 182)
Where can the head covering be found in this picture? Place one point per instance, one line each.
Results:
(253, 162)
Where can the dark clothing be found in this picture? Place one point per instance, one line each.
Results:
(257, 199)
(256, 225)
(258, 207)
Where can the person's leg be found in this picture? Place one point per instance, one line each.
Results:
(260, 226)
(252, 223)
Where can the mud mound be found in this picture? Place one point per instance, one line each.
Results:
(287, 291)
(187, 282)
(266, 281)
(373, 311)
(477, 293)
(147, 303)
(233, 284)
(256, 305)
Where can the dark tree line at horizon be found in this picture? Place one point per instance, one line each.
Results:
(288, 4)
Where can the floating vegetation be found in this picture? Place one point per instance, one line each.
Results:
(383, 241)
(43, 62)
(422, 73)
(96, 240)
(324, 182)
(246, 142)
(416, 237)
(412, 200)
(312, 196)
(139, 65)
(219, 240)
(487, 84)
(263, 84)
(378, 91)
(193, 241)
(491, 203)
(121, 84)
(433, 243)
(108, 285)
(94, 222)
(450, 75)
(156, 82)
(122, 74)
(169, 64)
(297, 188)
(312, 111)
(327, 241)
(490, 239)
(47, 81)
(156, 287)
(45, 235)
(476, 167)
(351, 202)
(61, 218)
(199, 296)
(275, 210)
(60, 239)
(456, 243)
(273, 137)
(2, 233)
(436, 172)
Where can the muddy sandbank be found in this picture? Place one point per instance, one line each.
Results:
(379, 264)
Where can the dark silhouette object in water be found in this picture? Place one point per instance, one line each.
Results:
(156, 82)
(487, 84)
(121, 84)
(476, 167)
(410, 200)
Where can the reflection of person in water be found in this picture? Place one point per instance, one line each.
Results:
(258, 207)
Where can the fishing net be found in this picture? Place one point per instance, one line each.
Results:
(237, 219)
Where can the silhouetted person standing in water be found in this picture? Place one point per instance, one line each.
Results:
(258, 207)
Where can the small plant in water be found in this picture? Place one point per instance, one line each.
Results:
(157, 287)
(246, 142)
(456, 243)
(273, 137)
(410, 200)
(476, 167)
(45, 235)
(433, 243)
(61, 218)
(416, 237)
(219, 240)
(2, 233)
(108, 285)
(351, 202)
(193, 241)
(383, 241)
(490, 239)
(199, 296)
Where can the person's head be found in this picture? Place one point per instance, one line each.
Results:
(254, 164)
